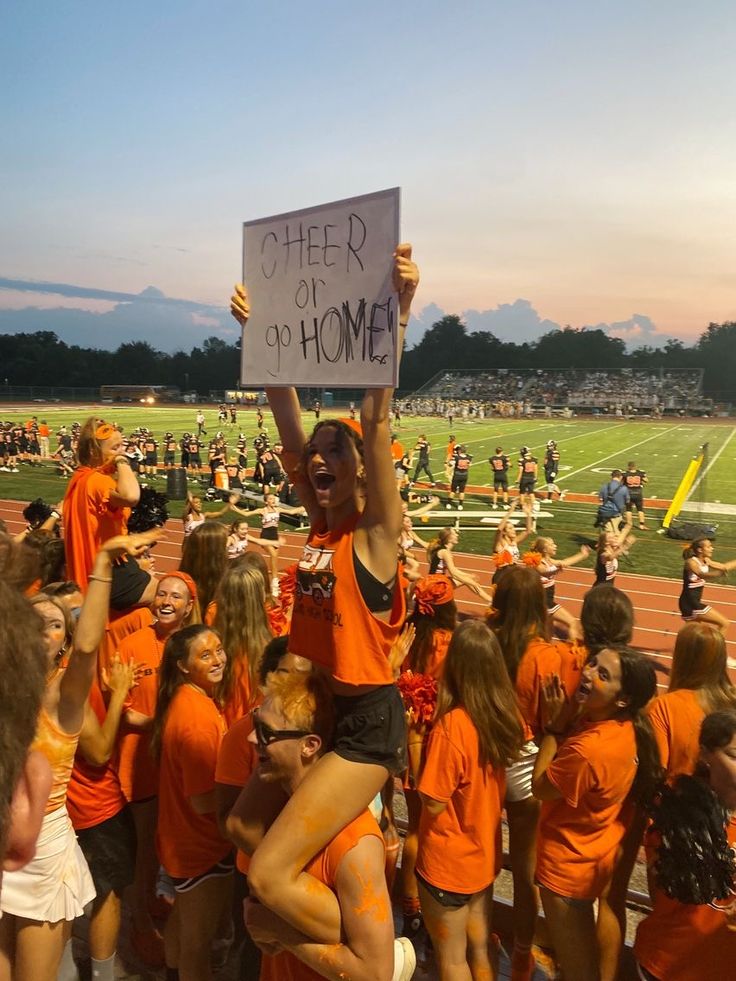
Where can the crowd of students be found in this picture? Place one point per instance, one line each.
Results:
(204, 733)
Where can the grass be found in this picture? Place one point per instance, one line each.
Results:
(589, 449)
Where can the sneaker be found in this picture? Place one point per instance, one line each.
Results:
(448, 506)
(495, 507)
(563, 495)
(7, 470)
(14, 470)
(405, 960)
(459, 507)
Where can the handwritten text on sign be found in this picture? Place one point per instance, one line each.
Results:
(323, 307)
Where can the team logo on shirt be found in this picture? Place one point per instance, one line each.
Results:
(314, 576)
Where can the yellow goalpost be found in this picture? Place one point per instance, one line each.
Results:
(688, 479)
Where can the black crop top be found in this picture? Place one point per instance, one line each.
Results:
(377, 596)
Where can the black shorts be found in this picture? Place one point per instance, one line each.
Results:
(270, 534)
(527, 486)
(635, 501)
(169, 459)
(500, 482)
(195, 460)
(218, 871)
(550, 476)
(109, 848)
(458, 484)
(371, 728)
(450, 900)
(151, 459)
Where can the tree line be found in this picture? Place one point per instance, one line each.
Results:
(41, 358)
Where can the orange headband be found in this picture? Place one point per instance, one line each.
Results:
(186, 579)
(104, 431)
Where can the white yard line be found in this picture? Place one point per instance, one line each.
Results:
(710, 464)
(618, 453)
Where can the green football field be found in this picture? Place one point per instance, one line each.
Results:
(589, 449)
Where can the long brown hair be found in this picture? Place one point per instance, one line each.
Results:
(170, 678)
(519, 613)
(242, 624)
(475, 679)
(204, 557)
(638, 687)
(444, 618)
(700, 663)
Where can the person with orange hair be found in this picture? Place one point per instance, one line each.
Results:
(98, 500)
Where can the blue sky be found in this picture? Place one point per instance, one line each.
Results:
(559, 163)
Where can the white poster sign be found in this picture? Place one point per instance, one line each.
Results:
(324, 312)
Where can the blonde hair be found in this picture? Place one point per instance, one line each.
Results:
(242, 623)
(305, 701)
(700, 663)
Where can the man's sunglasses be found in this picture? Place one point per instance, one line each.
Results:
(265, 735)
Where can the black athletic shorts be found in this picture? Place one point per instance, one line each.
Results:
(270, 534)
(527, 486)
(151, 459)
(371, 728)
(500, 482)
(635, 501)
(219, 870)
(450, 900)
(109, 848)
(169, 459)
(458, 484)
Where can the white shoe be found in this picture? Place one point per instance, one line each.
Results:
(495, 507)
(14, 470)
(7, 470)
(459, 507)
(448, 507)
(405, 960)
(563, 495)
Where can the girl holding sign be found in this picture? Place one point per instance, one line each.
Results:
(348, 611)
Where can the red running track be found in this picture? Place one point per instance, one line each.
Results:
(654, 598)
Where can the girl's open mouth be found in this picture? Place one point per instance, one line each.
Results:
(323, 480)
(584, 690)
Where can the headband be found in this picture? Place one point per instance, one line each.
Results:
(186, 579)
(354, 425)
(432, 591)
(104, 431)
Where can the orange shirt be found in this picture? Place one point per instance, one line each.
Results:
(676, 719)
(397, 451)
(460, 849)
(136, 768)
(579, 834)
(681, 942)
(540, 659)
(94, 793)
(119, 627)
(58, 747)
(236, 760)
(189, 843)
(89, 520)
(324, 866)
(572, 661)
(241, 697)
(331, 625)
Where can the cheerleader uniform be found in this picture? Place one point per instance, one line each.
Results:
(270, 525)
(605, 572)
(691, 598)
(548, 574)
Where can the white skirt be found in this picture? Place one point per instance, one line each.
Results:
(56, 883)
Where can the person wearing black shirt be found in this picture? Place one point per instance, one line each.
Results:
(634, 479)
(500, 469)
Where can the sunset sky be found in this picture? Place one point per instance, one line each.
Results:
(560, 163)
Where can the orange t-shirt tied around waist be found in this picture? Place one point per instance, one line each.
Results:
(579, 834)
(460, 849)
